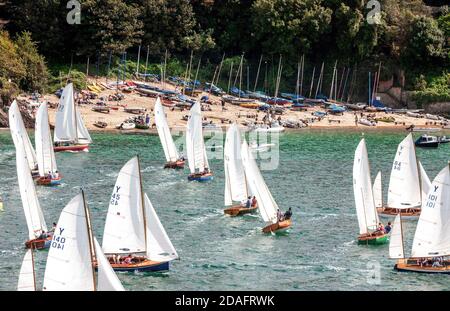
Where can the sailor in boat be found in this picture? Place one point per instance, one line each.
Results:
(248, 203)
(280, 216)
(388, 228)
(288, 214)
(254, 202)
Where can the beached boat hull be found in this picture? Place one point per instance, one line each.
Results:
(412, 213)
(404, 266)
(177, 164)
(238, 210)
(72, 148)
(278, 227)
(201, 178)
(39, 243)
(146, 266)
(373, 239)
(49, 182)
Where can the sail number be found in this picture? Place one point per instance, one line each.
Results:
(58, 241)
(115, 196)
(432, 198)
(397, 165)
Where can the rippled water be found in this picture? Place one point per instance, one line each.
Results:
(217, 252)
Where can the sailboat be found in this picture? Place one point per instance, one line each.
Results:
(132, 227)
(48, 171)
(170, 151)
(27, 275)
(267, 206)
(408, 184)
(70, 132)
(20, 136)
(364, 199)
(196, 152)
(33, 212)
(74, 253)
(236, 189)
(431, 245)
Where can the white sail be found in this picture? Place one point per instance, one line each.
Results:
(170, 151)
(26, 275)
(378, 191)
(82, 132)
(124, 228)
(107, 278)
(195, 145)
(65, 124)
(159, 246)
(266, 204)
(396, 248)
(70, 260)
(235, 179)
(30, 203)
(404, 185)
(425, 182)
(432, 236)
(362, 189)
(43, 141)
(19, 134)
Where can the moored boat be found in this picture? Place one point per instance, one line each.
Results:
(427, 141)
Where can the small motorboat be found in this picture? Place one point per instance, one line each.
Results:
(427, 141)
(126, 126)
(444, 139)
(100, 124)
(367, 122)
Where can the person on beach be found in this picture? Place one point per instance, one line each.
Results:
(356, 120)
(147, 119)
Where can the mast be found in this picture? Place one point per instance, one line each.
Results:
(139, 58)
(229, 79)
(90, 238)
(345, 84)
(32, 265)
(196, 75)
(401, 233)
(257, 73)
(301, 79)
(220, 69)
(298, 78)
(146, 64)
(76, 119)
(312, 82)
(142, 203)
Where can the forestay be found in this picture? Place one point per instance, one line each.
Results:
(432, 237)
(159, 246)
(195, 146)
(266, 204)
(19, 134)
(404, 184)
(170, 151)
(107, 278)
(396, 248)
(26, 275)
(70, 258)
(362, 189)
(43, 141)
(30, 203)
(235, 180)
(124, 228)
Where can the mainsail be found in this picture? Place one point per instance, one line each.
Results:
(70, 258)
(396, 248)
(69, 125)
(43, 141)
(404, 184)
(19, 134)
(27, 281)
(32, 209)
(195, 145)
(235, 180)
(378, 191)
(170, 151)
(266, 204)
(362, 189)
(432, 237)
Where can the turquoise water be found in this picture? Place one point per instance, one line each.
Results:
(217, 252)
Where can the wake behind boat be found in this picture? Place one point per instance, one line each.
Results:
(134, 238)
(70, 132)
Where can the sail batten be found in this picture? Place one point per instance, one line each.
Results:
(170, 151)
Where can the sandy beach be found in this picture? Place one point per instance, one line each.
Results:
(218, 117)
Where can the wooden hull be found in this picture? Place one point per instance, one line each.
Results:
(144, 266)
(238, 210)
(175, 165)
(48, 181)
(278, 227)
(412, 265)
(39, 243)
(373, 239)
(201, 177)
(72, 148)
(412, 213)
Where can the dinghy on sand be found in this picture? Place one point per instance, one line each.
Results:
(236, 188)
(431, 249)
(134, 238)
(364, 199)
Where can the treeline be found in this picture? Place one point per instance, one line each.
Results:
(405, 36)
